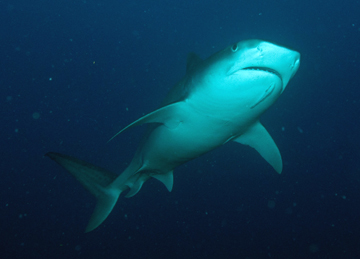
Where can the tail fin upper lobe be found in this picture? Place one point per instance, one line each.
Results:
(96, 180)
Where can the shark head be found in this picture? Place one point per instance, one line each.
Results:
(248, 75)
(263, 58)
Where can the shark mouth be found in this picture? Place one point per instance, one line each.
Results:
(266, 69)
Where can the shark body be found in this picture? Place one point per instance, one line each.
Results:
(220, 99)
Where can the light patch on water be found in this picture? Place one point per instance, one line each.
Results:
(36, 115)
(313, 248)
(289, 211)
(271, 204)
(136, 34)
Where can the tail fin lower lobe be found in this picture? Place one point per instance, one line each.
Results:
(96, 180)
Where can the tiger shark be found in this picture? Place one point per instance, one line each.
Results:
(220, 99)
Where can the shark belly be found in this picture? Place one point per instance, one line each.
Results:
(166, 148)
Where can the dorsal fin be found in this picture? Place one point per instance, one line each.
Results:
(192, 61)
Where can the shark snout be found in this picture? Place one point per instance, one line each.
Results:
(292, 58)
(272, 57)
(285, 61)
(295, 66)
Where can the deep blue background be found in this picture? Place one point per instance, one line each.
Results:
(91, 67)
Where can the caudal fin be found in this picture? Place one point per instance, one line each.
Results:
(96, 180)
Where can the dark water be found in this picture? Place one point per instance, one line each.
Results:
(74, 72)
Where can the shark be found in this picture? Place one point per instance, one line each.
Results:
(220, 99)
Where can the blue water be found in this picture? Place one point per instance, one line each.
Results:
(73, 73)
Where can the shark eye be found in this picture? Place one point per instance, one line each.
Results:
(234, 48)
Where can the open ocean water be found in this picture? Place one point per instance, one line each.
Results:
(73, 73)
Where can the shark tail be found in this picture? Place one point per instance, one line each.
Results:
(97, 181)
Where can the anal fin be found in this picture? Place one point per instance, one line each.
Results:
(167, 179)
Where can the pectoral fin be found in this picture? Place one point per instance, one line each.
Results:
(166, 115)
(258, 137)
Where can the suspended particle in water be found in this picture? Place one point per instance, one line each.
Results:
(36, 115)
(271, 204)
(313, 248)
